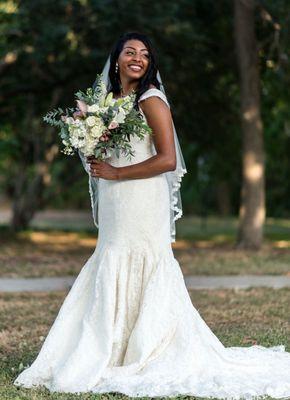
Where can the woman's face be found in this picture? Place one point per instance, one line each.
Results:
(133, 60)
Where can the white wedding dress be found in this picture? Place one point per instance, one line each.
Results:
(128, 325)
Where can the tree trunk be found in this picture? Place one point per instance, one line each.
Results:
(28, 192)
(31, 179)
(27, 199)
(252, 206)
(223, 198)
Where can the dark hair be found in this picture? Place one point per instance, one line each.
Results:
(150, 76)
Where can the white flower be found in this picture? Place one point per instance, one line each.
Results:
(102, 101)
(120, 116)
(89, 148)
(93, 108)
(97, 131)
(104, 109)
(77, 134)
(109, 153)
(91, 121)
(103, 87)
(109, 99)
(69, 121)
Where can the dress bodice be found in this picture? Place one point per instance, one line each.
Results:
(142, 148)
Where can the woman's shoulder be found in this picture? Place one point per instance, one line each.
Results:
(152, 88)
(153, 91)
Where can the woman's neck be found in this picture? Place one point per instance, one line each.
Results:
(128, 87)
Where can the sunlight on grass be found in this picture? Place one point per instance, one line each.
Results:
(59, 239)
(281, 244)
(202, 247)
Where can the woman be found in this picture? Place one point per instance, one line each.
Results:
(128, 324)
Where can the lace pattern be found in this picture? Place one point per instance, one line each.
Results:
(174, 178)
(128, 325)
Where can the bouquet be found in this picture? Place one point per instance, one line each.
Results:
(99, 124)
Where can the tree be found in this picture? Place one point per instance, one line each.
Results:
(48, 52)
(252, 206)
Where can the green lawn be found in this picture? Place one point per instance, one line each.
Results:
(223, 229)
(238, 318)
(200, 250)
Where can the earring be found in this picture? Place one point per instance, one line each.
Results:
(116, 68)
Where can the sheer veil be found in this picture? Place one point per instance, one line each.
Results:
(173, 177)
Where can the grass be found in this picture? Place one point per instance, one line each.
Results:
(37, 253)
(228, 261)
(223, 229)
(238, 318)
(246, 317)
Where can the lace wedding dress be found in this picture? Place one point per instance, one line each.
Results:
(128, 325)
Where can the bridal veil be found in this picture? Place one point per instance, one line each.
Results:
(173, 178)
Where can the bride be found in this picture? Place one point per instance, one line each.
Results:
(128, 325)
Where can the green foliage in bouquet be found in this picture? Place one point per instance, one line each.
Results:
(100, 124)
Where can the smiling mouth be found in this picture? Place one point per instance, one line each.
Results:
(135, 68)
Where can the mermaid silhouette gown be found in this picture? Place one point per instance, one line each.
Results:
(128, 325)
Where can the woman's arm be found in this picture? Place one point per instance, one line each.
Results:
(159, 118)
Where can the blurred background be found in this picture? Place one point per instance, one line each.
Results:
(216, 58)
(225, 67)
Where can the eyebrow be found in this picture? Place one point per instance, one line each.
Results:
(133, 48)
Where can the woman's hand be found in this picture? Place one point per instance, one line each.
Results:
(101, 169)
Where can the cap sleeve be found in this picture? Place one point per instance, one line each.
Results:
(154, 92)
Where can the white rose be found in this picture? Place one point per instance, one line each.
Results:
(91, 121)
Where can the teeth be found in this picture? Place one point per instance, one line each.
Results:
(135, 67)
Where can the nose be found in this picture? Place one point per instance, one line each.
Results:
(137, 57)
